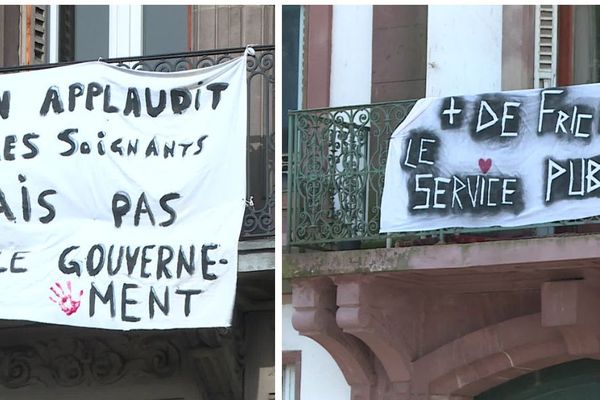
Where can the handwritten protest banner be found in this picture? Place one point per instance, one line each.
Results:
(121, 195)
(499, 159)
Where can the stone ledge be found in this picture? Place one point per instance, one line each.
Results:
(256, 255)
(550, 251)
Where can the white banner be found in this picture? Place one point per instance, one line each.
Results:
(122, 195)
(500, 159)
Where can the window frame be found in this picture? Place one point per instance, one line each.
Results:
(293, 358)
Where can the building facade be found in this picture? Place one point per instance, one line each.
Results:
(41, 361)
(450, 314)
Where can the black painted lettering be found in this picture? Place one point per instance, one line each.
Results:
(52, 99)
(25, 199)
(5, 208)
(65, 136)
(206, 261)
(131, 259)
(163, 260)
(5, 104)
(9, 146)
(143, 208)
(145, 260)
(73, 267)
(164, 204)
(180, 100)
(132, 103)
(94, 89)
(152, 148)
(112, 270)
(27, 141)
(75, 90)
(152, 110)
(199, 144)
(94, 267)
(47, 206)
(108, 297)
(188, 295)
(121, 204)
(13, 260)
(107, 107)
(188, 264)
(127, 301)
(154, 300)
(216, 88)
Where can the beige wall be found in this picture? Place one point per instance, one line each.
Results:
(518, 47)
(399, 53)
(217, 27)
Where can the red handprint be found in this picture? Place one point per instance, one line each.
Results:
(65, 301)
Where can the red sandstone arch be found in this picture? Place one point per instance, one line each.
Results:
(378, 365)
(496, 354)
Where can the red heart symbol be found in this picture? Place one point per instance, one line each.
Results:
(485, 165)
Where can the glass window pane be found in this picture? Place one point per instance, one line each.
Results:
(83, 33)
(291, 74)
(586, 46)
(289, 382)
(91, 32)
(166, 29)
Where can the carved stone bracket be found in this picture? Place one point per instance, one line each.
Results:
(314, 302)
(364, 322)
(359, 314)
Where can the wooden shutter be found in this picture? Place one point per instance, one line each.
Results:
(33, 43)
(39, 34)
(546, 34)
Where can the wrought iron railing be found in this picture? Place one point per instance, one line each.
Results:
(259, 219)
(336, 170)
(336, 166)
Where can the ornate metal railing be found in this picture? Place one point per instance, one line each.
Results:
(259, 219)
(336, 166)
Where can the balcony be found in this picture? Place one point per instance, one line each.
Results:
(337, 159)
(259, 218)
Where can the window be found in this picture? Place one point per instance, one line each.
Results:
(292, 47)
(579, 44)
(291, 368)
(166, 29)
(586, 44)
(83, 32)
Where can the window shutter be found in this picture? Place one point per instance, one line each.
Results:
(546, 34)
(39, 35)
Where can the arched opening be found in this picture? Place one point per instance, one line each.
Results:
(575, 380)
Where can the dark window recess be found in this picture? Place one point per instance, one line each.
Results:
(291, 74)
(9, 35)
(66, 33)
